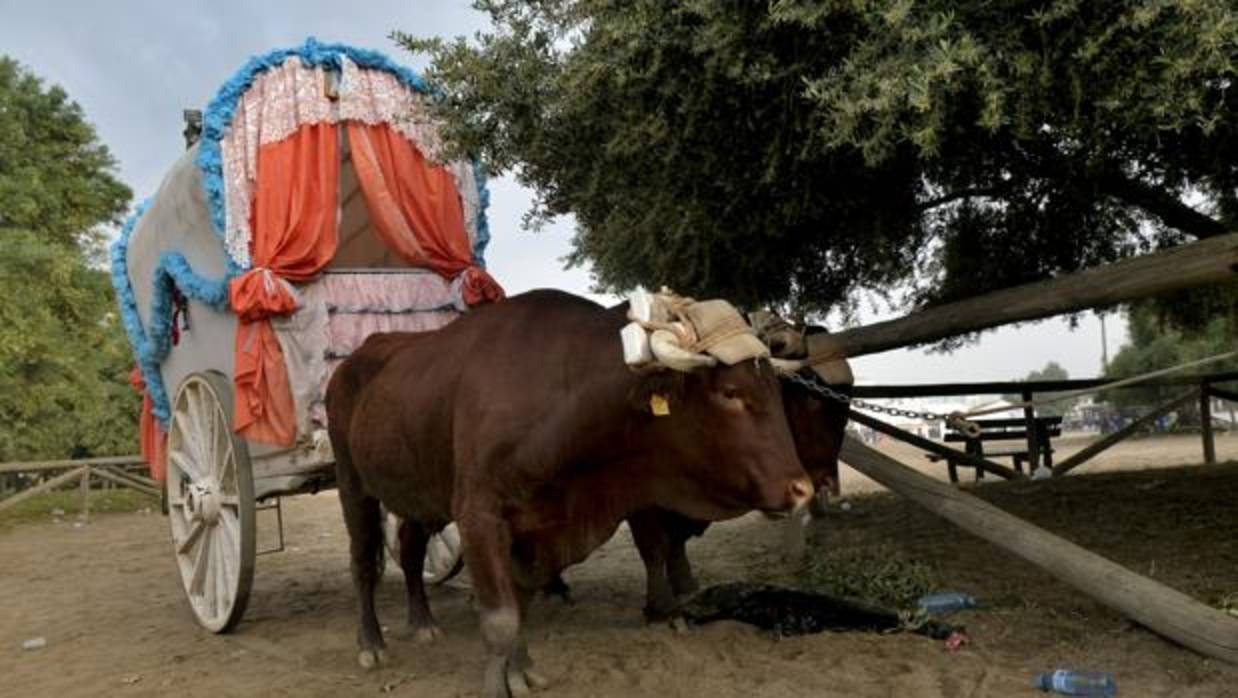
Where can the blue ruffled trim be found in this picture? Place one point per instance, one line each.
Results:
(483, 223)
(220, 110)
(172, 271)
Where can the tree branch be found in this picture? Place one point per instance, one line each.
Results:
(1161, 204)
(955, 196)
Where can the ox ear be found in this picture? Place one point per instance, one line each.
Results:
(666, 384)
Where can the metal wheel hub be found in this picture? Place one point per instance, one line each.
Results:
(202, 503)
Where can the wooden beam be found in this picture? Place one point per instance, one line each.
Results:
(1195, 264)
(42, 487)
(934, 447)
(1097, 446)
(1163, 610)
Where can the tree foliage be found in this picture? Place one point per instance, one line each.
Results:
(795, 151)
(1052, 371)
(64, 359)
(1157, 341)
(56, 178)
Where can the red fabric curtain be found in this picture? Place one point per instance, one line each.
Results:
(294, 227)
(416, 209)
(152, 439)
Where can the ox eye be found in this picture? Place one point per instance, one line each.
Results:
(730, 392)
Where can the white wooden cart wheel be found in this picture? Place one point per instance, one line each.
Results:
(210, 502)
(443, 556)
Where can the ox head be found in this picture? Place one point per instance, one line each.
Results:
(818, 423)
(726, 429)
(722, 416)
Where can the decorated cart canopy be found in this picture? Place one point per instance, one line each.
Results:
(315, 210)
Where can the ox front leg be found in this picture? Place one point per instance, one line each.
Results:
(413, 539)
(487, 543)
(683, 582)
(652, 540)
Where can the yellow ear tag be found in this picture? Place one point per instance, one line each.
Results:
(659, 405)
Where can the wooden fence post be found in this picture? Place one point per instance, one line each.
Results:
(1033, 438)
(85, 487)
(1205, 423)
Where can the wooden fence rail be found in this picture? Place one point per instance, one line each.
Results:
(1186, 266)
(1202, 388)
(80, 471)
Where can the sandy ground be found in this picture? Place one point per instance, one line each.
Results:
(108, 602)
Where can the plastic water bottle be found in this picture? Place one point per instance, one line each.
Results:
(1077, 683)
(946, 602)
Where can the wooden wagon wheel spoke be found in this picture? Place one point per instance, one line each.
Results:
(211, 502)
(227, 472)
(193, 436)
(186, 464)
(195, 532)
(219, 571)
(200, 567)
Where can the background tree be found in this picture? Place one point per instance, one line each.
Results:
(56, 178)
(64, 360)
(795, 151)
(1052, 371)
(1156, 342)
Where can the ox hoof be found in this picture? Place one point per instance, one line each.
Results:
(679, 625)
(516, 685)
(536, 680)
(522, 683)
(371, 659)
(427, 634)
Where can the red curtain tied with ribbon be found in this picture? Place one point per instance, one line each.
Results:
(416, 209)
(295, 235)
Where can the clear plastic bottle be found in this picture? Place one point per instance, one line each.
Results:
(946, 602)
(1077, 683)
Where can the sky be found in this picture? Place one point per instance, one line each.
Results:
(134, 65)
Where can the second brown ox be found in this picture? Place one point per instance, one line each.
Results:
(521, 423)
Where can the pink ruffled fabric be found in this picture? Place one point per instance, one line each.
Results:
(360, 304)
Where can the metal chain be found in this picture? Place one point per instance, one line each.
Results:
(820, 388)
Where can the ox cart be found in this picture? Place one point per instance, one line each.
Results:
(313, 210)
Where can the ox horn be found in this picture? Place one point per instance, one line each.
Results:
(787, 365)
(665, 346)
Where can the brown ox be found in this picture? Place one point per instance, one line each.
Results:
(521, 423)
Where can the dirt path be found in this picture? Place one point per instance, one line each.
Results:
(106, 598)
(107, 601)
